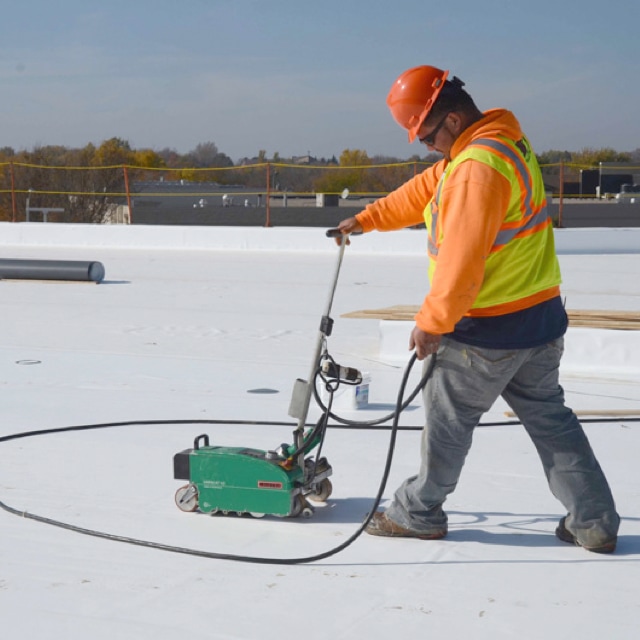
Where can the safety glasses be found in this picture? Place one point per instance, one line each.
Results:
(430, 138)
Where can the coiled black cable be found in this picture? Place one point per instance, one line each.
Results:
(395, 427)
(332, 386)
(210, 554)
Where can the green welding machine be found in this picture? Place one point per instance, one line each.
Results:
(281, 482)
(242, 480)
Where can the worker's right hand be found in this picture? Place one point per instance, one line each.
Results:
(424, 343)
(347, 226)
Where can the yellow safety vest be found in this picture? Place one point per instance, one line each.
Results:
(523, 260)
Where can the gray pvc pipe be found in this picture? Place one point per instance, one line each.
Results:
(78, 270)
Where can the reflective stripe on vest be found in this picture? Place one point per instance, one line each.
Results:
(530, 217)
(522, 261)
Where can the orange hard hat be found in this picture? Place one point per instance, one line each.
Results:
(412, 96)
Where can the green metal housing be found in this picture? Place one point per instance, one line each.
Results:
(243, 480)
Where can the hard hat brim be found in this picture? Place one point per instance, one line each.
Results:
(413, 131)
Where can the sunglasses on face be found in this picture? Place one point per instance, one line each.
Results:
(430, 138)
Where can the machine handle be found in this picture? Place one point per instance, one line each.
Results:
(336, 233)
(204, 437)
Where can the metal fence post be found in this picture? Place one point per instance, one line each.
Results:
(13, 193)
(561, 194)
(128, 192)
(267, 222)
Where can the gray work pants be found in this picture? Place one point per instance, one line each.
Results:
(464, 384)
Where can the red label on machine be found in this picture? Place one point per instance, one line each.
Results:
(263, 484)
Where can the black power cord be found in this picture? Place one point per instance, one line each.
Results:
(209, 554)
(395, 427)
(332, 385)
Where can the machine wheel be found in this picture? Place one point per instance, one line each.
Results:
(322, 491)
(301, 508)
(253, 514)
(187, 498)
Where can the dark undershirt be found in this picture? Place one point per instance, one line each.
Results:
(524, 329)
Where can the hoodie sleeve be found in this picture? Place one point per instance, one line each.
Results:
(403, 207)
(475, 200)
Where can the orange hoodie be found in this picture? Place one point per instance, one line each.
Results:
(471, 187)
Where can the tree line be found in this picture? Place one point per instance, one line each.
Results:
(27, 174)
(116, 151)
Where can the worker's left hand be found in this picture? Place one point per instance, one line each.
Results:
(348, 226)
(424, 343)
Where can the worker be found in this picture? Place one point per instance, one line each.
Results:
(493, 316)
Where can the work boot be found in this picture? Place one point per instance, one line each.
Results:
(566, 536)
(382, 525)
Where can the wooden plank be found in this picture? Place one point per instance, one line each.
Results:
(397, 312)
(598, 319)
(604, 413)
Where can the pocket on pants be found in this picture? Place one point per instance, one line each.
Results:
(491, 361)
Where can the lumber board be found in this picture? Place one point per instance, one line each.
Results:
(594, 318)
(604, 413)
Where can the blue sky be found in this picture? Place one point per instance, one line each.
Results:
(297, 77)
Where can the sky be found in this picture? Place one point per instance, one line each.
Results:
(296, 78)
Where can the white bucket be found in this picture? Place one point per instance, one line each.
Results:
(349, 396)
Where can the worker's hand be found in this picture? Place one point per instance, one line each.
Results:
(347, 226)
(424, 343)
